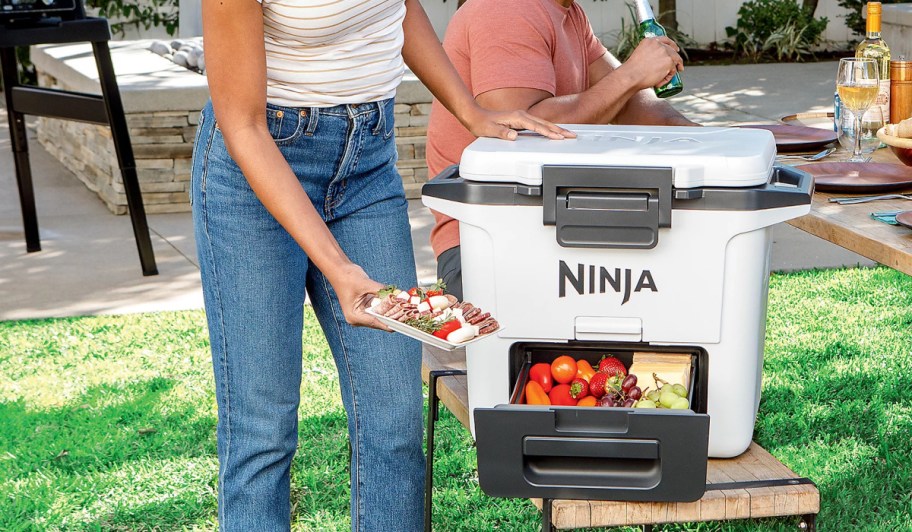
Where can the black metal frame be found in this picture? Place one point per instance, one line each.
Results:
(106, 109)
(433, 414)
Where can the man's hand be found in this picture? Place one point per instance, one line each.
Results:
(503, 125)
(654, 62)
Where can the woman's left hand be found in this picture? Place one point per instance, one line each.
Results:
(504, 124)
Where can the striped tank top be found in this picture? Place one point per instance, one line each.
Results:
(321, 53)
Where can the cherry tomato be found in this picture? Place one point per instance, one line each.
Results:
(447, 328)
(541, 373)
(535, 395)
(560, 395)
(563, 369)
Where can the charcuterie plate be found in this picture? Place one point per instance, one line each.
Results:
(424, 337)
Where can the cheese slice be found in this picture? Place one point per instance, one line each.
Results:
(674, 368)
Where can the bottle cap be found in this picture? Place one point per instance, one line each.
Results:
(874, 8)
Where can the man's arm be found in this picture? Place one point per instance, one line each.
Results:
(653, 63)
(644, 107)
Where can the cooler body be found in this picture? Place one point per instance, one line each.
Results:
(658, 240)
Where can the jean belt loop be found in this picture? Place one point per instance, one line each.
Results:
(313, 116)
(381, 118)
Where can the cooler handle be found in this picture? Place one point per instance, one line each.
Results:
(591, 447)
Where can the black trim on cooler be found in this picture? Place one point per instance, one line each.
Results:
(788, 186)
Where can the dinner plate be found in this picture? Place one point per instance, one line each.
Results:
(797, 138)
(859, 177)
(424, 337)
(904, 219)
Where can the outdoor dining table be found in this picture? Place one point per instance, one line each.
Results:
(853, 228)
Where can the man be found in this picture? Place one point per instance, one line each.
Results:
(540, 56)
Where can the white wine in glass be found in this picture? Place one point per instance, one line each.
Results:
(857, 84)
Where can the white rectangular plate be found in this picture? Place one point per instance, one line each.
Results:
(422, 336)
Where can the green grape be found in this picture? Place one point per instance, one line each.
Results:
(645, 403)
(653, 395)
(680, 403)
(679, 389)
(667, 397)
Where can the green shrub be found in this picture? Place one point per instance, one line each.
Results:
(779, 29)
(143, 14)
(855, 20)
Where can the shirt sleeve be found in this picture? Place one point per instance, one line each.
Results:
(511, 45)
(594, 47)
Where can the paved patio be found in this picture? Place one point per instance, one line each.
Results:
(89, 263)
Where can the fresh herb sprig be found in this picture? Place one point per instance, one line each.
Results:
(424, 323)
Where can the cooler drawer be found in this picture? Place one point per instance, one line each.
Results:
(563, 452)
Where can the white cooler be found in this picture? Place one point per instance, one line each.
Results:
(624, 239)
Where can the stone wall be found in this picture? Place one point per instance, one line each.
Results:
(162, 146)
(162, 103)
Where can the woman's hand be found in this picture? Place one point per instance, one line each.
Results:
(503, 125)
(355, 291)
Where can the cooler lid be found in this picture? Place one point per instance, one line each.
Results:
(698, 156)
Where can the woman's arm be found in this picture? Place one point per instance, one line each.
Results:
(236, 71)
(425, 57)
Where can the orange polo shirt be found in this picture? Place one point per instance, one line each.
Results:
(497, 44)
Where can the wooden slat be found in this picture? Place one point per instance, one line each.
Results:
(716, 505)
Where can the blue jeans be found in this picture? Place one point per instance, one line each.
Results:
(254, 278)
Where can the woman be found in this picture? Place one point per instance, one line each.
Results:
(294, 187)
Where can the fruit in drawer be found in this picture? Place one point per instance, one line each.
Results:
(597, 384)
(560, 396)
(535, 395)
(584, 369)
(563, 369)
(588, 401)
(612, 366)
(579, 388)
(541, 373)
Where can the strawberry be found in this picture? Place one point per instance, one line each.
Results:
(436, 289)
(579, 388)
(597, 384)
(612, 366)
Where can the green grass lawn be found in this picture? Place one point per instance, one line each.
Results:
(107, 423)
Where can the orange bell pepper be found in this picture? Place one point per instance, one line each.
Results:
(589, 400)
(535, 395)
(584, 370)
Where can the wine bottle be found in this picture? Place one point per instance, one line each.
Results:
(649, 27)
(874, 47)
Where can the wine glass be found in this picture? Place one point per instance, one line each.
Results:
(857, 83)
(871, 121)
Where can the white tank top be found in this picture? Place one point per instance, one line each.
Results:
(321, 53)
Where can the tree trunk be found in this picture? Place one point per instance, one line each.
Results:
(809, 5)
(667, 14)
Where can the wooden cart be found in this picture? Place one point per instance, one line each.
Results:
(751, 485)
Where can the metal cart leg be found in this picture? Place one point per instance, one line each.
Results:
(121, 136)
(433, 412)
(808, 523)
(19, 141)
(546, 516)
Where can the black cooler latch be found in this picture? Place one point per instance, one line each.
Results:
(607, 206)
